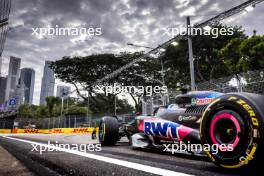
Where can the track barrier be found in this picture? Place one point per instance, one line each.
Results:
(50, 131)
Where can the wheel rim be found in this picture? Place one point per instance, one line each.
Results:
(225, 128)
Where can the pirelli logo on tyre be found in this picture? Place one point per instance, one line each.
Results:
(248, 108)
(243, 113)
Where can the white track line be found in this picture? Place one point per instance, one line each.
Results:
(136, 166)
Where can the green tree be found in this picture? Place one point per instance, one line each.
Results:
(232, 56)
(252, 50)
(97, 105)
(208, 64)
(51, 102)
(40, 112)
(85, 71)
(77, 110)
(241, 55)
(25, 111)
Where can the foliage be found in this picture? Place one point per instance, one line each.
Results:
(100, 104)
(213, 58)
(85, 71)
(241, 55)
(25, 111)
(51, 102)
(53, 108)
(207, 62)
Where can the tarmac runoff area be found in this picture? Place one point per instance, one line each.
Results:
(10, 166)
(116, 160)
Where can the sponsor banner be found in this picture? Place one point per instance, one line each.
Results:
(72, 130)
(5, 131)
(50, 131)
(31, 131)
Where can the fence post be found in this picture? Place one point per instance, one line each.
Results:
(69, 122)
(75, 121)
(53, 122)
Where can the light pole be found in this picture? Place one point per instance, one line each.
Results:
(67, 105)
(190, 54)
(88, 105)
(62, 104)
(162, 72)
(115, 106)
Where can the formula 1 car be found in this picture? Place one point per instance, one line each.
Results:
(232, 122)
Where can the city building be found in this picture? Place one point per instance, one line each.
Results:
(12, 78)
(2, 89)
(27, 82)
(63, 91)
(47, 84)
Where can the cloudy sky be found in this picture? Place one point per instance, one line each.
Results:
(122, 21)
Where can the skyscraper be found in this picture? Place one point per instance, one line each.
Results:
(27, 82)
(63, 91)
(12, 78)
(2, 89)
(47, 84)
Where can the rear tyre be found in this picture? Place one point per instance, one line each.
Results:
(233, 128)
(108, 131)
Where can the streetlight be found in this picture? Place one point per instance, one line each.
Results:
(162, 50)
(174, 43)
(207, 28)
(250, 8)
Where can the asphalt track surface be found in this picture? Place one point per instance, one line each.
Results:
(116, 160)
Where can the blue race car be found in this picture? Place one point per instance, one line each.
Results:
(231, 122)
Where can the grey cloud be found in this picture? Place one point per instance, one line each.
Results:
(136, 21)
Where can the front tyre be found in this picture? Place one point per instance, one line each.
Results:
(108, 131)
(233, 128)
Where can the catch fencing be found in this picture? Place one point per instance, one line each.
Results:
(251, 81)
(69, 121)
